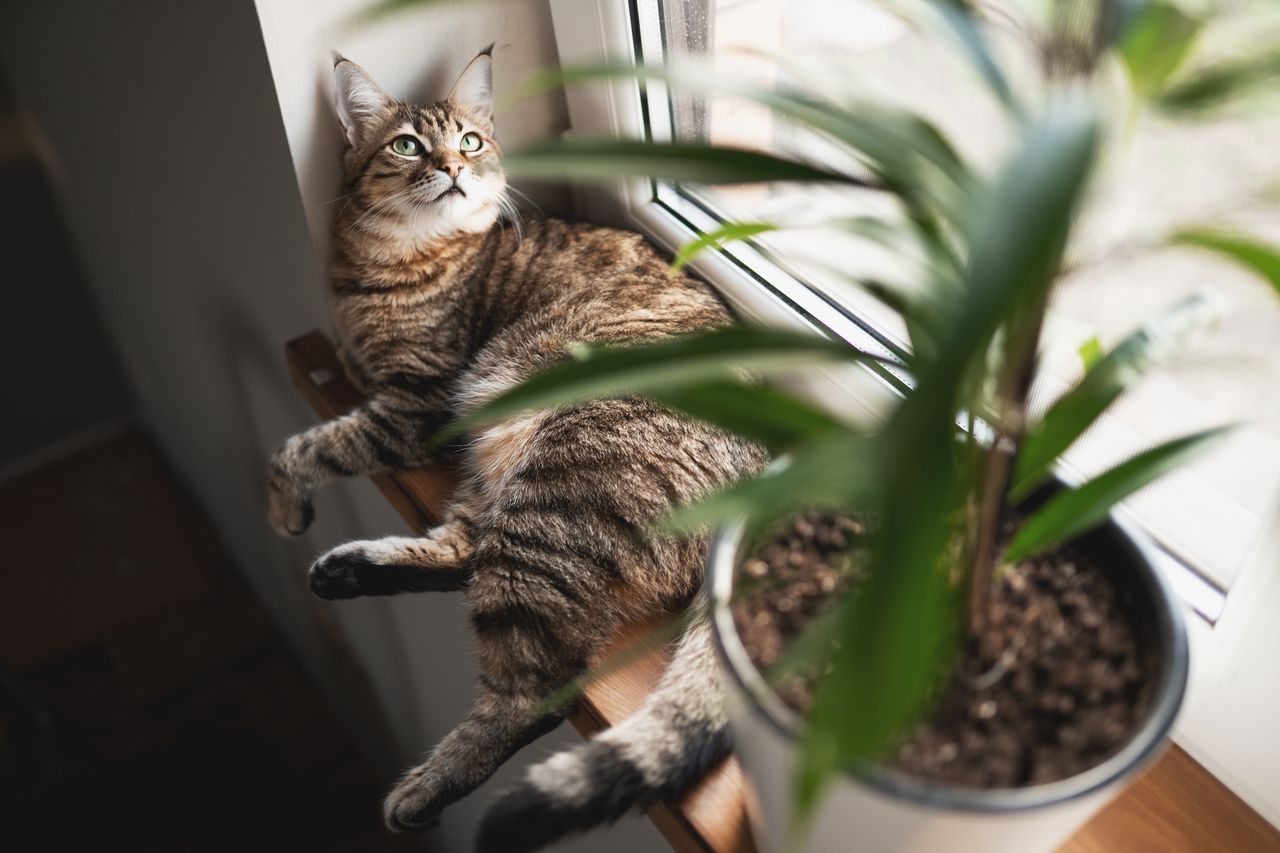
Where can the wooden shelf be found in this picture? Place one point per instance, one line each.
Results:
(711, 817)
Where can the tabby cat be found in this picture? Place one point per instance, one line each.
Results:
(439, 302)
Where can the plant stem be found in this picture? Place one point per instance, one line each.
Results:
(1010, 425)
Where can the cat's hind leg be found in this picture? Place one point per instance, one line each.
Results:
(530, 642)
(436, 562)
(497, 727)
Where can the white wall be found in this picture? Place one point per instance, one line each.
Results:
(196, 152)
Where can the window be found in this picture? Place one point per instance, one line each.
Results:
(1206, 516)
(1234, 697)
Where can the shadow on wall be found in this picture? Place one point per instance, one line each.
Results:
(61, 374)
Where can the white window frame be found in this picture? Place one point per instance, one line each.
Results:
(1234, 697)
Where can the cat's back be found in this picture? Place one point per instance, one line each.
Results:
(610, 279)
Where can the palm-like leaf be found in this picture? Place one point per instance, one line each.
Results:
(607, 158)
(1155, 45)
(895, 641)
(1075, 511)
(665, 366)
(727, 233)
(1262, 259)
(1210, 87)
(761, 413)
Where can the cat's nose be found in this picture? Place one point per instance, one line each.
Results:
(451, 169)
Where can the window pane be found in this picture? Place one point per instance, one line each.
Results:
(1166, 174)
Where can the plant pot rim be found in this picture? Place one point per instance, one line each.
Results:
(1146, 741)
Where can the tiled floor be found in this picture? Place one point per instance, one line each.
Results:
(146, 699)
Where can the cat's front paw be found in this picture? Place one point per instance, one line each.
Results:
(289, 506)
(338, 573)
(415, 803)
(289, 510)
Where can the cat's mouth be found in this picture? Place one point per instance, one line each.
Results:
(454, 190)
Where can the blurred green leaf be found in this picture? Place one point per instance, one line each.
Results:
(604, 159)
(1155, 44)
(380, 9)
(1090, 353)
(662, 366)
(1078, 510)
(653, 638)
(761, 413)
(1020, 232)
(812, 647)
(894, 638)
(1206, 88)
(890, 137)
(895, 644)
(726, 233)
(959, 18)
(870, 227)
(1262, 259)
(834, 470)
(1076, 410)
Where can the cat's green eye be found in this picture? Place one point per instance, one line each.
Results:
(470, 142)
(406, 146)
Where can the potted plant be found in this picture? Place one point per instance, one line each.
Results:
(956, 596)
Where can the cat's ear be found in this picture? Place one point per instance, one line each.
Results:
(358, 99)
(474, 89)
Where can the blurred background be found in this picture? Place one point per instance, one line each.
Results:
(166, 178)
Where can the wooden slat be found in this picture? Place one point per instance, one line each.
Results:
(1176, 807)
(711, 817)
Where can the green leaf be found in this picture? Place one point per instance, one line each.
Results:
(604, 159)
(381, 9)
(1078, 510)
(898, 640)
(834, 470)
(1210, 87)
(1075, 411)
(760, 413)
(870, 227)
(895, 637)
(894, 140)
(1155, 45)
(657, 367)
(1262, 259)
(959, 18)
(1090, 353)
(1019, 234)
(812, 647)
(652, 639)
(726, 233)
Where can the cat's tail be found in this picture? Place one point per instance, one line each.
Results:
(676, 737)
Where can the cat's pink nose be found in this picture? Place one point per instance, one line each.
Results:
(451, 169)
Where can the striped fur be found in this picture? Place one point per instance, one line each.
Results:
(671, 742)
(439, 301)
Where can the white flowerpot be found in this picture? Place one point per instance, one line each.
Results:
(882, 811)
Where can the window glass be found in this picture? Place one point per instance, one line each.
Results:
(1163, 174)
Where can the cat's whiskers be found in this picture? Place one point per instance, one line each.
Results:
(526, 198)
(381, 206)
(508, 210)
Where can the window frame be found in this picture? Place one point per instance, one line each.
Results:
(1232, 637)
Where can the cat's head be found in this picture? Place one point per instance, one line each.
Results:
(422, 171)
